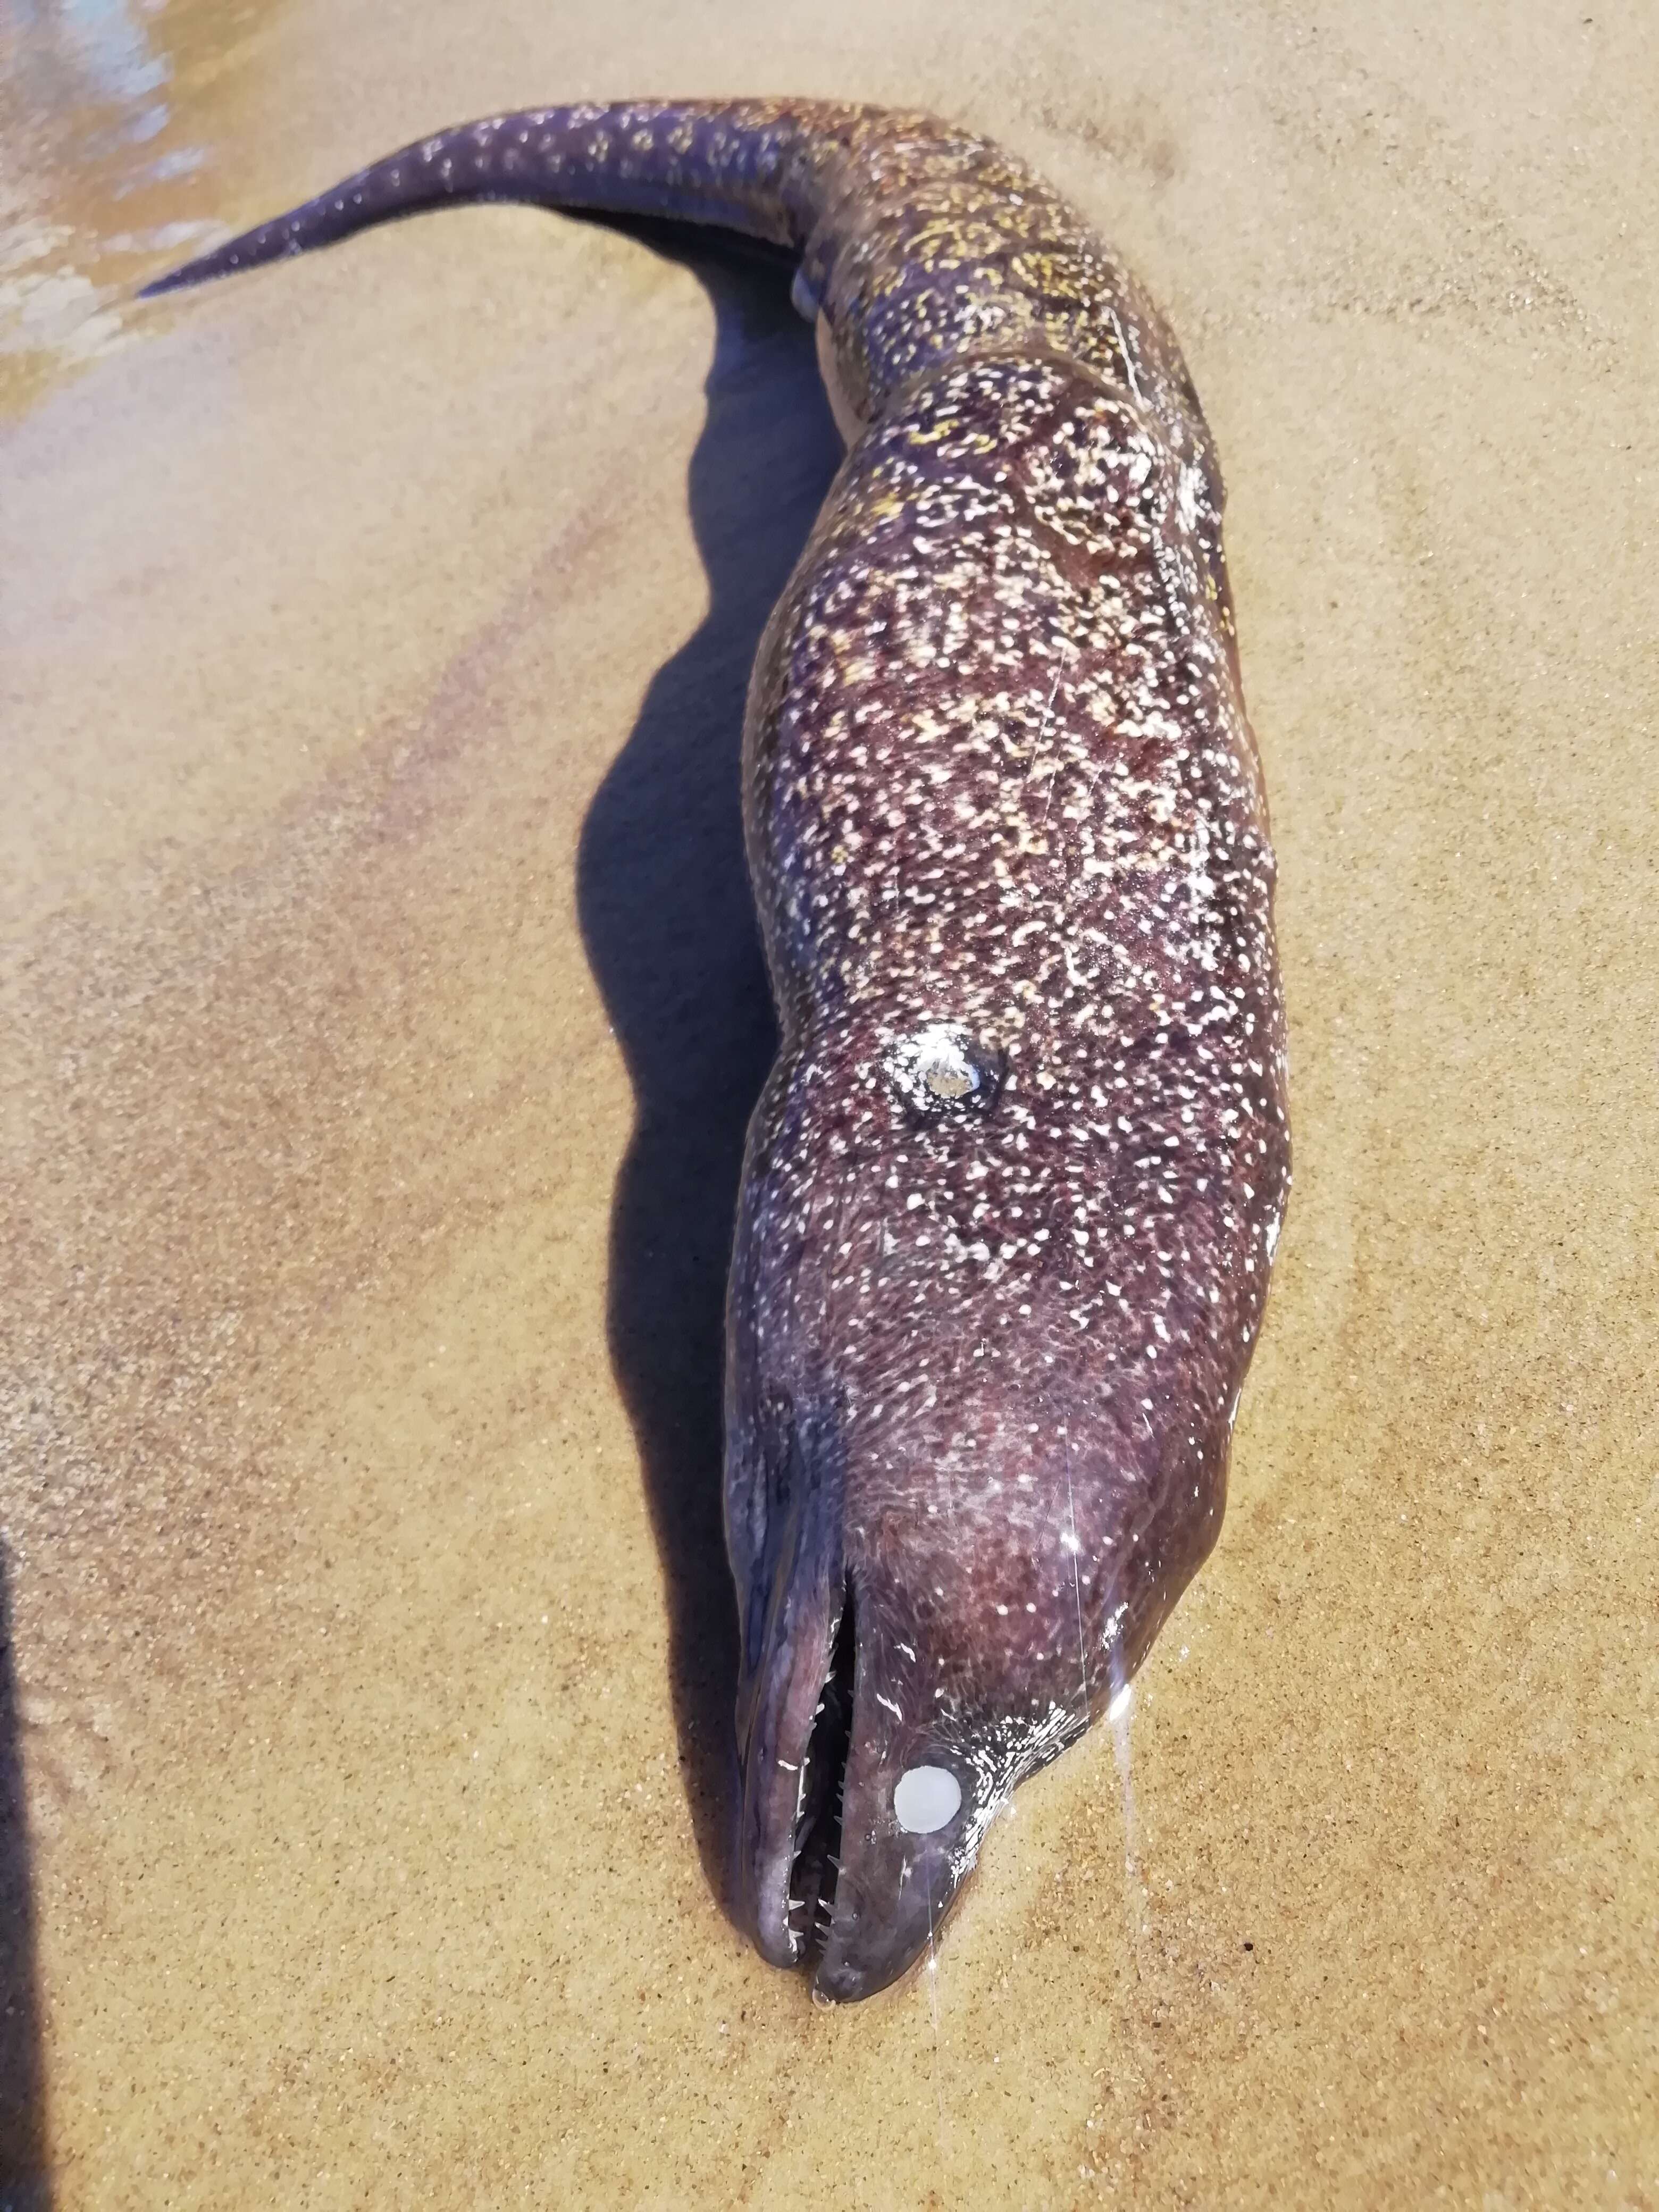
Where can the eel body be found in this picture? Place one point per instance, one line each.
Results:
(1012, 1189)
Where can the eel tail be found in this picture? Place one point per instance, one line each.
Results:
(763, 167)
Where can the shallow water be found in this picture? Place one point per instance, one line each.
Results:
(383, 1011)
(105, 141)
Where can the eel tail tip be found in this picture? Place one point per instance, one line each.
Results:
(175, 280)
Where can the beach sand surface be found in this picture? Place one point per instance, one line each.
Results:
(382, 1012)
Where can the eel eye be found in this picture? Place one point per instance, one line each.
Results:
(942, 1068)
(925, 1799)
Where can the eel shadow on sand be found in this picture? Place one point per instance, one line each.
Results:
(24, 2184)
(671, 934)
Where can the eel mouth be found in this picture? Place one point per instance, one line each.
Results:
(837, 1879)
(815, 1866)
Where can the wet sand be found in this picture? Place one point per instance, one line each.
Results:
(383, 1011)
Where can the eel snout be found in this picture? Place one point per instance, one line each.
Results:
(858, 1825)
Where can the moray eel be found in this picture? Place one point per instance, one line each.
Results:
(1012, 1189)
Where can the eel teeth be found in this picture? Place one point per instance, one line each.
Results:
(821, 1798)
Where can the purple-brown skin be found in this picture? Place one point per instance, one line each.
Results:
(1012, 1190)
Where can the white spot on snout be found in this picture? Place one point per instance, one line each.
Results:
(925, 1799)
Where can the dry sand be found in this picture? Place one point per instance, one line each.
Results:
(382, 1012)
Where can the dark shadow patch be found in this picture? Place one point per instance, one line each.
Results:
(668, 919)
(24, 2183)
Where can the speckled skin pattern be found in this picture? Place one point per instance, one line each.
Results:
(1013, 1188)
